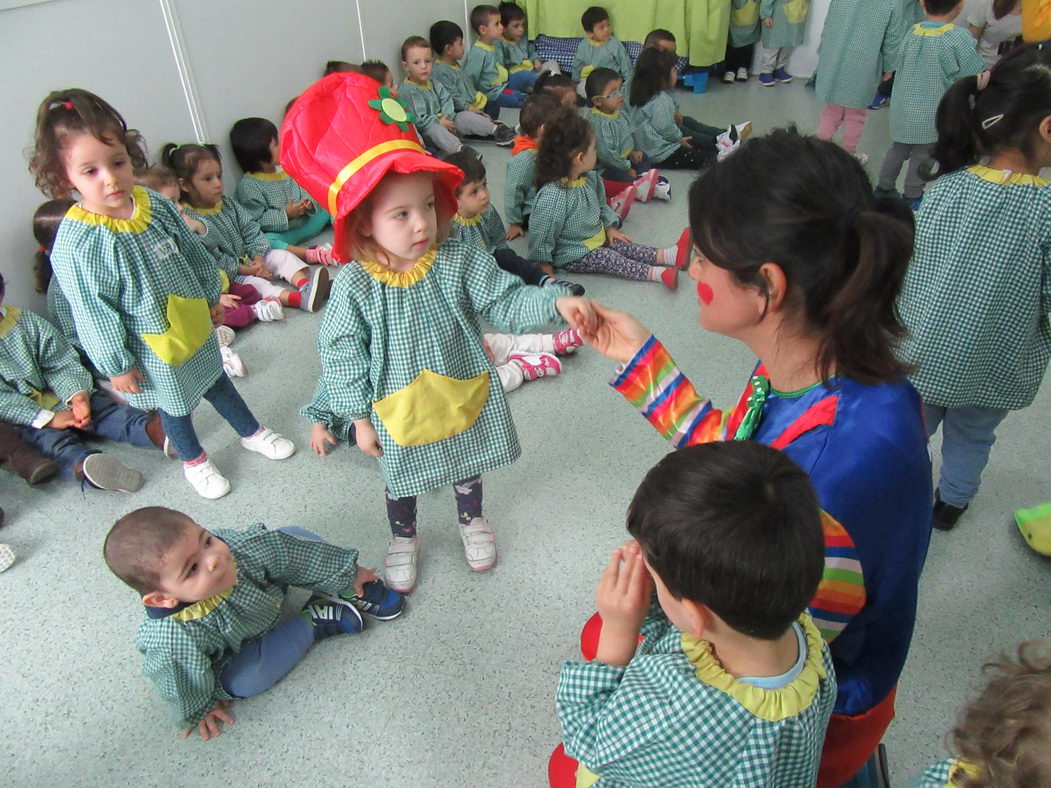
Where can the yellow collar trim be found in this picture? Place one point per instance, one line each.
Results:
(486, 47)
(426, 86)
(465, 221)
(594, 43)
(280, 175)
(381, 273)
(139, 221)
(961, 768)
(576, 183)
(217, 208)
(360, 161)
(1006, 176)
(770, 705)
(205, 606)
(597, 111)
(922, 30)
(10, 319)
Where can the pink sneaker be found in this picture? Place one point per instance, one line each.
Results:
(567, 341)
(645, 184)
(621, 203)
(539, 365)
(321, 255)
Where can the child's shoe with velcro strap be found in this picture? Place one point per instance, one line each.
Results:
(399, 567)
(270, 444)
(536, 365)
(206, 479)
(378, 601)
(321, 254)
(479, 544)
(330, 617)
(268, 309)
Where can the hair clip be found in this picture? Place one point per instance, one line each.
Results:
(983, 80)
(992, 121)
(67, 104)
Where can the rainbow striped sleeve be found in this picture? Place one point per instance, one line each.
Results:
(652, 382)
(841, 592)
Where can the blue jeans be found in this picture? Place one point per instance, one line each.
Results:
(522, 81)
(267, 659)
(228, 402)
(623, 176)
(968, 434)
(512, 100)
(109, 420)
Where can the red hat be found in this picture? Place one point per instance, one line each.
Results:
(343, 134)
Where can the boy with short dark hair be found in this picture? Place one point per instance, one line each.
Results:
(732, 684)
(517, 54)
(212, 601)
(485, 67)
(599, 47)
(520, 186)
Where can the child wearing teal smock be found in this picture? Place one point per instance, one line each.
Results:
(784, 26)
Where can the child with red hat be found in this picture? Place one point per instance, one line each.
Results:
(400, 342)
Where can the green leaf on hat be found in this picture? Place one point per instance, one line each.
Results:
(392, 109)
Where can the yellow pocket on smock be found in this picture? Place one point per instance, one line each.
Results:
(189, 326)
(584, 72)
(796, 10)
(747, 15)
(501, 76)
(432, 408)
(45, 399)
(480, 100)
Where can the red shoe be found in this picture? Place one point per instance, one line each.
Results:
(645, 184)
(670, 278)
(683, 247)
(621, 204)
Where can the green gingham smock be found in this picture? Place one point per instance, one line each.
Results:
(459, 85)
(518, 55)
(789, 26)
(39, 370)
(319, 411)
(656, 132)
(485, 70)
(265, 195)
(412, 341)
(186, 647)
(61, 313)
(120, 277)
(674, 717)
(569, 220)
(430, 102)
(613, 138)
(486, 230)
(859, 44)
(233, 235)
(608, 54)
(977, 293)
(941, 774)
(932, 57)
(520, 186)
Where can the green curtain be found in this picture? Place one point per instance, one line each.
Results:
(699, 26)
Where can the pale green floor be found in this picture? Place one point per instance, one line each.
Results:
(459, 691)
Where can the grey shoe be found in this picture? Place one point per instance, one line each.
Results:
(107, 473)
(314, 291)
(504, 136)
(472, 151)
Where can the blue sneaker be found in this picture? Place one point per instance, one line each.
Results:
(782, 76)
(915, 204)
(329, 617)
(767, 80)
(879, 101)
(379, 601)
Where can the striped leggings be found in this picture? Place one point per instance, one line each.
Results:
(628, 261)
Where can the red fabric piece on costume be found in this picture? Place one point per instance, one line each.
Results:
(561, 769)
(850, 741)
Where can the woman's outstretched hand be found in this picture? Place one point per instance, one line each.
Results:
(616, 335)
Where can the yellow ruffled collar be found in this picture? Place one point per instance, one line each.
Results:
(205, 606)
(770, 705)
(382, 273)
(139, 221)
(280, 175)
(576, 183)
(994, 175)
(597, 111)
(217, 208)
(11, 316)
(425, 86)
(465, 221)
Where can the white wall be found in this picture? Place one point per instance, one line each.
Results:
(245, 57)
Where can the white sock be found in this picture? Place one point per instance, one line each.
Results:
(655, 273)
(670, 254)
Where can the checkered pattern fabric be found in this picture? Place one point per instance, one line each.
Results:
(265, 194)
(937, 775)
(60, 313)
(565, 214)
(232, 234)
(35, 361)
(319, 411)
(859, 44)
(931, 58)
(608, 54)
(185, 655)
(978, 290)
(430, 102)
(658, 722)
(480, 65)
(118, 276)
(485, 231)
(376, 338)
(520, 186)
(788, 29)
(656, 132)
(613, 139)
(457, 83)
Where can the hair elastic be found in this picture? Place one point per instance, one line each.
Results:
(992, 121)
(67, 104)
(983, 80)
(41, 248)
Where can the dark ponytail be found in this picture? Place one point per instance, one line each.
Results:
(46, 220)
(183, 160)
(807, 206)
(566, 134)
(973, 122)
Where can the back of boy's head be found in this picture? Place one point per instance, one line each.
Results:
(376, 69)
(652, 70)
(183, 160)
(46, 220)
(598, 80)
(250, 138)
(734, 526)
(977, 119)
(1005, 733)
(566, 134)
(481, 14)
(473, 169)
(139, 540)
(412, 42)
(940, 7)
(537, 109)
(340, 67)
(509, 12)
(157, 177)
(444, 34)
(655, 38)
(592, 17)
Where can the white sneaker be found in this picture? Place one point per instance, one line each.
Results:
(232, 363)
(206, 480)
(743, 129)
(729, 77)
(399, 567)
(7, 556)
(662, 189)
(268, 309)
(479, 544)
(270, 444)
(742, 74)
(224, 335)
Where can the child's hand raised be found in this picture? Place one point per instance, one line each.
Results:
(320, 436)
(617, 335)
(578, 312)
(623, 599)
(211, 725)
(366, 438)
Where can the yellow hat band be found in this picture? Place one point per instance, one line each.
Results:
(360, 161)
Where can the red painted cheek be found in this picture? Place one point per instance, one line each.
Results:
(704, 292)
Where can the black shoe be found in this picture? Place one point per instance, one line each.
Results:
(944, 516)
(572, 287)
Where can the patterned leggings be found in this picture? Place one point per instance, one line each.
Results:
(628, 261)
(401, 512)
